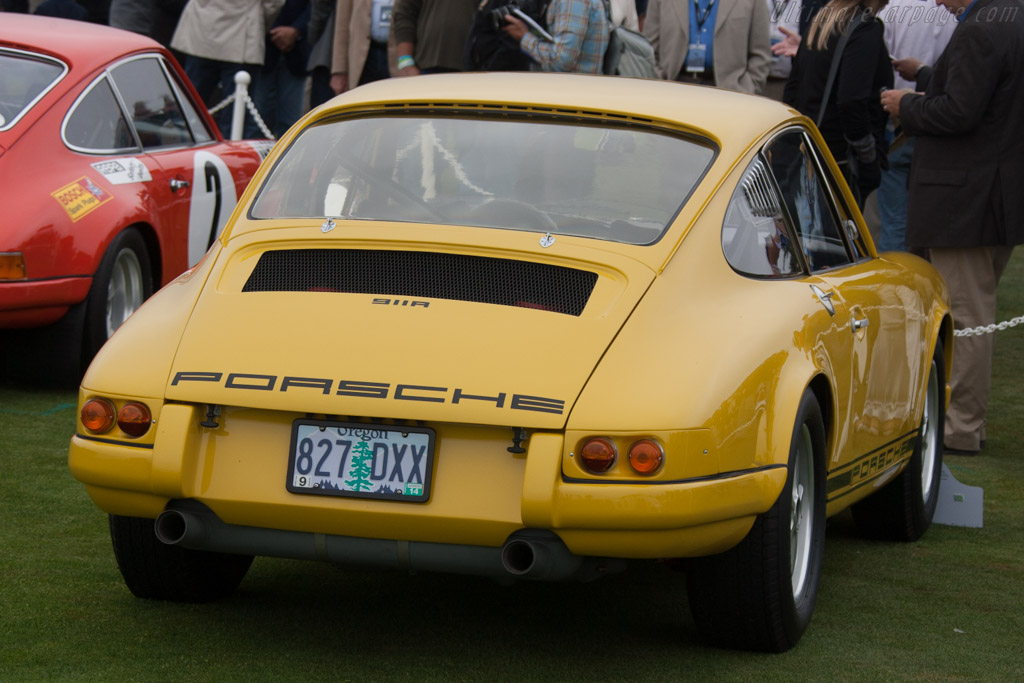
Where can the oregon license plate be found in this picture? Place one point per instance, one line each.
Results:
(361, 460)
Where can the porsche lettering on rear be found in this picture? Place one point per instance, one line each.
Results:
(384, 390)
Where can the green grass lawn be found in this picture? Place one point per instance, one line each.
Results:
(946, 608)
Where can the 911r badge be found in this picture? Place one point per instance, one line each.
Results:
(381, 301)
(81, 197)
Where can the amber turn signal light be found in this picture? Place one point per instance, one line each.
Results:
(646, 456)
(134, 419)
(598, 454)
(12, 266)
(98, 415)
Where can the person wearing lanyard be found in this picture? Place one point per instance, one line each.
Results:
(782, 14)
(699, 54)
(724, 43)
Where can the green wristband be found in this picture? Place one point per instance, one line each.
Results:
(405, 61)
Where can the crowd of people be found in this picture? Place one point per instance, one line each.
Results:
(919, 103)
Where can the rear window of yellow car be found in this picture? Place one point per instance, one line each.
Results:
(616, 182)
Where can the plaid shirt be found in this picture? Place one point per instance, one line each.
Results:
(580, 29)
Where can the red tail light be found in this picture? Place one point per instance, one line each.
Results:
(598, 454)
(134, 419)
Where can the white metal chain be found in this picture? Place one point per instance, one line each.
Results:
(988, 329)
(220, 105)
(251, 106)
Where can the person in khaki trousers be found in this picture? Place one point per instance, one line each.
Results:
(966, 208)
(740, 42)
(363, 48)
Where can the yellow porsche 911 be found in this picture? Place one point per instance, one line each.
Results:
(533, 326)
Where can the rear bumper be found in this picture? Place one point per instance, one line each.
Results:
(35, 303)
(481, 494)
(526, 554)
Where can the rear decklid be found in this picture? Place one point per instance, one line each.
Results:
(466, 333)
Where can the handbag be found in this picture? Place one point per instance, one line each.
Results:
(629, 53)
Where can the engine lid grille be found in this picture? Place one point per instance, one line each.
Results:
(459, 277)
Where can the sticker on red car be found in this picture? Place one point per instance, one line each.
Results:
(123, 171)
(81, 197)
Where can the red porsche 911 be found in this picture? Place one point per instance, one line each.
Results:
(115, 179)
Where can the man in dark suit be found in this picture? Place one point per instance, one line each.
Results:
(966, 206)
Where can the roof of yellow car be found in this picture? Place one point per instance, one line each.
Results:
(725, 115)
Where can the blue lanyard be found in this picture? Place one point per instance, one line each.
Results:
(702, 19)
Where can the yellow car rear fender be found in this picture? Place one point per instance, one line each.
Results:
(136, 360)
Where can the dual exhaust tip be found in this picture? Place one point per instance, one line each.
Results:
(527, 554)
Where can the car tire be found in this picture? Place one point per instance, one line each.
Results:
(760, 594)
(157, 571)
(903, 509)
(48, 356)
(122, 282)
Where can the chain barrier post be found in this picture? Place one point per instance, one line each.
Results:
(242, 81)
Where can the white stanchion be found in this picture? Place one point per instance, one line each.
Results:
(242, 81)
(241, 103)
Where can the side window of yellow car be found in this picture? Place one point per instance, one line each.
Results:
(854, 237)
(808, 200)
(757, 237)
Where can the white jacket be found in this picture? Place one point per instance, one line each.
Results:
(226, 30)
(624, 14)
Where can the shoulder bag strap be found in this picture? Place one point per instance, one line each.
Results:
(834, 68)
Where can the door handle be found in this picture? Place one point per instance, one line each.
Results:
(178, 184)
(857, 325)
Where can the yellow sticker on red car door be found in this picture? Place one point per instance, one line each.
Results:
(81, 197)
